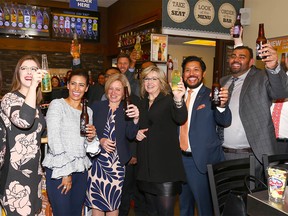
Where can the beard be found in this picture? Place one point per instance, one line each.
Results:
(194, 85)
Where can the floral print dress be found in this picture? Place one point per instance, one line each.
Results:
(105, 178)
(20, 187)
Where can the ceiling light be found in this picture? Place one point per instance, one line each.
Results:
(201, 42)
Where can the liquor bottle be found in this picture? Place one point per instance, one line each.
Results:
(175, 75)
(89, 28)
(215, 91)
(45, 19)
(46, 85)
(39, 19)
(78, 26)
(1, 14)
(33, 17)
(84, 118)
(137, 47)
(237, 27)
(84, 28)
(13, 15)
(95, 28)
(26, 18)
(67, 25)
(159, 52)
(6, 14)
(260, 40)
(126, 100)
(61, 25)
(76, 49)
(20, 16)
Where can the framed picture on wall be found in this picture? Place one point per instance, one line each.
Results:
(159, 45)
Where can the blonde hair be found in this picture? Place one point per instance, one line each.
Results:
(117, 77)
(164, 86)
(16, 82)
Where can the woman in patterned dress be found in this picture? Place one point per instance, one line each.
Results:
(105, 178)
(21, 175)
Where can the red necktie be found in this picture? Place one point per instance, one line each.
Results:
(276, 113)
(184, 128)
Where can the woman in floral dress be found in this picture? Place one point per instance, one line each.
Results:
(21, 175)
(105, 178)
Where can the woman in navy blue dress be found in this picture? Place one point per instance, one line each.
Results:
(105, 178)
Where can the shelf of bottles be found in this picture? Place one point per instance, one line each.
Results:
(24, 20)
(127, 40)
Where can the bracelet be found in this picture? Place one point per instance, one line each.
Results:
(178, 104)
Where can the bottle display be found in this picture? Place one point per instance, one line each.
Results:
(137, 47)
(126, 100)
(237, 27)
(76, 50)
(215, 91)
(260, 40)
(46, 85)
(175, 75)
(84, 118)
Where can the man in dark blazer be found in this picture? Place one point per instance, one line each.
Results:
(252, 131)
(204, 145)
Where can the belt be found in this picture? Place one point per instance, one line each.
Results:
(186, 154)
(282, 139)
(237, 151)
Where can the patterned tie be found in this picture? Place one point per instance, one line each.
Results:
(231, 88)
(184, 128)
(276, 113)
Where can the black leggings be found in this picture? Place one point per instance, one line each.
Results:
(160, 205)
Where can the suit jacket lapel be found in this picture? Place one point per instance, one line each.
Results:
(197, 101)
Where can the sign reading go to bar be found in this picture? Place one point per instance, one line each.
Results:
(90, 5)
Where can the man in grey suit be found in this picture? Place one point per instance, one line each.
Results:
(252, 130)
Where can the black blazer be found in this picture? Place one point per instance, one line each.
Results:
(159, 155)
(125, 130)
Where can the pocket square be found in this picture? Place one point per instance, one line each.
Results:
(202, 106)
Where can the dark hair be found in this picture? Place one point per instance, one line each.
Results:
(194, 58)
(80, 72)
(123, 55)
(246, 48)
(115, 68)
(56, 77)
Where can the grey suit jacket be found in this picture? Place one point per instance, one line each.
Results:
(260, 87)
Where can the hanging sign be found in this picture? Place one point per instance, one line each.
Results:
(202, 18)
(84, 4)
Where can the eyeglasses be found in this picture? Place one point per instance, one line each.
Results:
(154, 79)
(32, 69)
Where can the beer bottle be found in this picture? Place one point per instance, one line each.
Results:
(127, 100)
(76, 50)
(215, 91)
(237, 27)
(84, 118)
(46, 85)
(159, 53)
(260, 41)
(137, 47)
